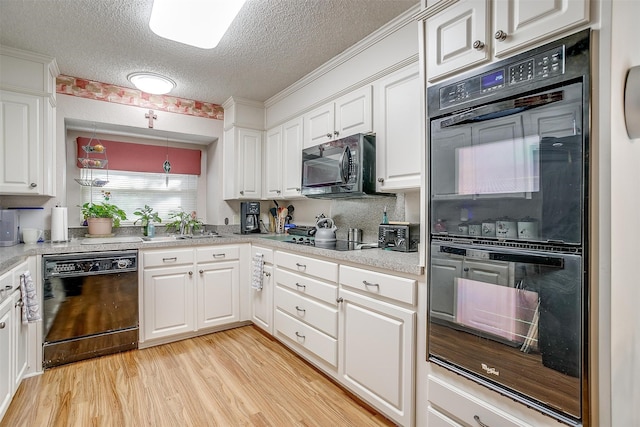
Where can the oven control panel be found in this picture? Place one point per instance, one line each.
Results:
(545, 65)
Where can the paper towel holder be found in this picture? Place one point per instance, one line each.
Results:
(632, 102)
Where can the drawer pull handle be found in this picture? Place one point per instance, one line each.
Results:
(370, 284)
(172, 259)
(300, 309)
(218, 255)
(2, 325)
(339, 300)
(301, 265)
(480, 423)
(298, 285)
(267, 274)
(299, 335)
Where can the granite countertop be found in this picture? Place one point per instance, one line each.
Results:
(399, 262)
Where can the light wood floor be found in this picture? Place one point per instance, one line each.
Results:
(238, 377)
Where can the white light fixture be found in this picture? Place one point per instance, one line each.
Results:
(199, 23)
(152, 83)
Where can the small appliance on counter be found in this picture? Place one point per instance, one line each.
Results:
(249, 217)
(8, 227)
(399, 237)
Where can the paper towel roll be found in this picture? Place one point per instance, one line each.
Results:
(59, 226)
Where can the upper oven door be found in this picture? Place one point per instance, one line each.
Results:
(516, 163)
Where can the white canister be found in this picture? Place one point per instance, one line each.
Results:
(527, 228)
(475, 229)
(463, 228)
(488, 228)
(506, 228)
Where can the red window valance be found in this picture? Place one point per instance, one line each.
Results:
(126, 156)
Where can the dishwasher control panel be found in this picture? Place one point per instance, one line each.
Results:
(90, 263)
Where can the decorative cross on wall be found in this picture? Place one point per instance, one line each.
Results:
(151, 116)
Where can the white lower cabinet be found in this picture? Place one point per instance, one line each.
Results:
(188, 290)
(451, 406)
(14, 336)
(306, 313)
(377, 341)
(262, 299)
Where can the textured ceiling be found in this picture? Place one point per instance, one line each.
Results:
(270, 45)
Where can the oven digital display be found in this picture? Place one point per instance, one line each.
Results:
(492, 79)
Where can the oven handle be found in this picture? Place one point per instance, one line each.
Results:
(345, 163)
(502, 109)
(549, 261)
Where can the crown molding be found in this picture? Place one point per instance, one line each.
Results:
(375, 37)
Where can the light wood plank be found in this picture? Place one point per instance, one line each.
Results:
(239, 377)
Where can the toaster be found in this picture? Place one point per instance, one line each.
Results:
(399, 237)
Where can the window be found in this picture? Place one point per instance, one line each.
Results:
(132, 190)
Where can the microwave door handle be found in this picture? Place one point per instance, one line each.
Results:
(503, 109)
(345, 162)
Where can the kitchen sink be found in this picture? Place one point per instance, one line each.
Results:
(174, 237)
(159, 239)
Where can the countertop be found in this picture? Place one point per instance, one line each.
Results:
(399, 262)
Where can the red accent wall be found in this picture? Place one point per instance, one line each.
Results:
(126, 156)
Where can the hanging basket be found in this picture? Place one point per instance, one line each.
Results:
(100, 226)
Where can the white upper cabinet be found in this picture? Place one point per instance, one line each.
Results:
(27, 123)
(272, 167)
(457, 37)
(347, 115)
(519, 23)
(472, 32)
(283, 161)
(397, 122)
(242, 164)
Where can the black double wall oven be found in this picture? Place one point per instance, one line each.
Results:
(508, 161)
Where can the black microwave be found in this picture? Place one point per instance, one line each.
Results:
(344, 167)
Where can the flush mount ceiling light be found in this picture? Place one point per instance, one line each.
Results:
(199, 23)
(152, 83)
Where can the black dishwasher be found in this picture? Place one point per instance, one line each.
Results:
(90, 305)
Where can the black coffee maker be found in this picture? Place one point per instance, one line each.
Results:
(249, 217)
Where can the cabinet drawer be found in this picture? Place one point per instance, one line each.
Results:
(168, 257)
(467, 408)
(322, 269)
(307, 337)
(266, 253)
(309, 311)
(437, 419)
(314, 288)
(396, 288)
(217, 253)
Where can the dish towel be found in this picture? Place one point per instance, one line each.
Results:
(30, 306)
(257, 270)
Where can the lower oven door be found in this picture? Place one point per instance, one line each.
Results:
(511, 320)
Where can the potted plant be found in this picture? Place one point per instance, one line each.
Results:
(101, 218)
(184, 222)
(148, 217)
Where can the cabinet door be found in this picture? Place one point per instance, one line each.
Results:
(218, 294)
(21, 339)
(525, 22)
(20, 144)
(442, 285)
(457, 38)
(319, 125)
(168, 301)
(262, 301)
(272, 166)
(6, 351)
(354, 113)
(250, 163)
(398, 124)
(377, 354)
(292, 159)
